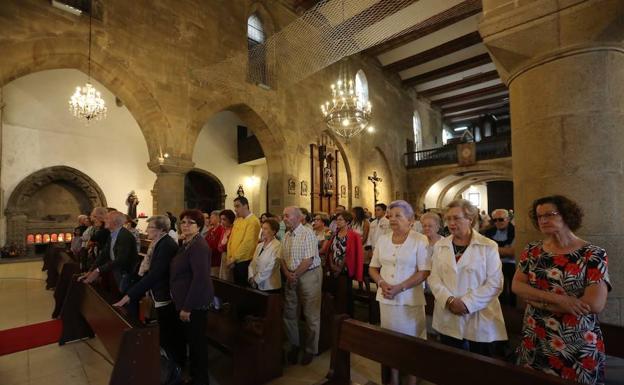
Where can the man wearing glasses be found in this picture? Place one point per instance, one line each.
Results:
(503, 233)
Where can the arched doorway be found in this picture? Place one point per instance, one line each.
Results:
(203, 191)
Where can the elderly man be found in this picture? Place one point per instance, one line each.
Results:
(243, 240)
(301, 267)
(119, 254)
(503, 233)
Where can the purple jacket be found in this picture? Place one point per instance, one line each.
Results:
(190, 282)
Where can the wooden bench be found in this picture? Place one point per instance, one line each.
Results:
(429, 360)
(67, 271)
(53, 261)
(134, 348)
(248, 327)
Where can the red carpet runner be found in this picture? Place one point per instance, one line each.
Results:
(30, 336)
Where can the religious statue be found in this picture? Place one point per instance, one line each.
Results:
(240, 192)
(375, 179)
(328, 174)
(132, 202)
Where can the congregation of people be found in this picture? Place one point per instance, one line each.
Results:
(464, 258)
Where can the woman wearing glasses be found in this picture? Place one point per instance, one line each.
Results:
(565, 282)
(466, 279)
(192, 292)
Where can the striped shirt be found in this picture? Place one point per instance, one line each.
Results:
(299, 244)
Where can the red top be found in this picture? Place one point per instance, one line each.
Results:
(213, 236)
(354, 255)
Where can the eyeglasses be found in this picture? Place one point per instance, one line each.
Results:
(188, 222)
(498, 219)
(548, 216)
(453, 219)
(151, 227)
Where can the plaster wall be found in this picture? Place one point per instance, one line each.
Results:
(39, 132)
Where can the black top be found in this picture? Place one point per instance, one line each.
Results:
(190, 282)
(125, 251)
(511, 234)
(157, 277)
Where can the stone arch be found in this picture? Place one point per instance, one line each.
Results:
(68, 51)
(17, 206)
(217, 183)
(429, 176)
(271, 140)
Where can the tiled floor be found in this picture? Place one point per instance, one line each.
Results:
(23, 293)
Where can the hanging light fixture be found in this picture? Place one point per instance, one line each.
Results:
(347, 114)
(87, 102)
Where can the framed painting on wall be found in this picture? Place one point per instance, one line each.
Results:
(304, 187)
(292, 186)
(343, 191)
(356, 192)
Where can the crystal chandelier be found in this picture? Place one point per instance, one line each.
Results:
(347, 115)
(87, 102)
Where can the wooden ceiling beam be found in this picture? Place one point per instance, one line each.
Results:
(466, 82)
(470, 95)
(475, 104)
(370, 16)
(435, 23)
(451, 69)
(447, 48)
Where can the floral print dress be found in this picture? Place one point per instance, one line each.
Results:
(565, 345)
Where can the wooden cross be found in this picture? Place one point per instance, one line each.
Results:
(375, 179)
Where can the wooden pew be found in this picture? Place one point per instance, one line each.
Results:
(429, 360)
(134, 348)
(67, 272)
(53, 261)
(248, 327)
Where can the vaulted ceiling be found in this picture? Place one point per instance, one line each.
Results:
(442, 56)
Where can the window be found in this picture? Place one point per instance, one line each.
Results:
(418, 142)
(475, 198)
(256, 50)
(361, 88)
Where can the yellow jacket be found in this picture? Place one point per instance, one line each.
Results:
(243, 239)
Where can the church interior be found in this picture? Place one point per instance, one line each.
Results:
(153, 108)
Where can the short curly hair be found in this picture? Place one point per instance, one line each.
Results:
(570, 211)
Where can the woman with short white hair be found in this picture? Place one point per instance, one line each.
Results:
(399, 266)
(466, 279)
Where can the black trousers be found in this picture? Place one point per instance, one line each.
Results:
(171, 333)
(195, 335)
(241, 272)
(484, 348)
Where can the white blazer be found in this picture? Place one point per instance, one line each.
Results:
(264, 268)
(477, 279)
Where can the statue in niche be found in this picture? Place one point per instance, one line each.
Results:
(132, 202)
(240, 192)
(328, 176)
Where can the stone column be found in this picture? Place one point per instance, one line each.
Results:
(563, 62)
(168, 192)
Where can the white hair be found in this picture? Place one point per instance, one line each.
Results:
(407, 209)
(161, 222)
(503, 211)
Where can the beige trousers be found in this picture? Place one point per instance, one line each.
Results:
(307, 292)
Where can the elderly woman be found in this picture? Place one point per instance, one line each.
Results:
(466, 280)
(565, 281)
(431, 223)
(227, 222)
(321, 230)
(192, 292)
(399, 266)
(154, 273)
(264, 269)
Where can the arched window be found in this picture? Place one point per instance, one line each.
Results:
(418, 142)
(256, 50)
(361, 88)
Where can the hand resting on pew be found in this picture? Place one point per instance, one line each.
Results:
(122, 301)
(89, 277)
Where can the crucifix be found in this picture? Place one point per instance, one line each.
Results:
(375, 179)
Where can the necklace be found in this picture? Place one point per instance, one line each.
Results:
(459, 251)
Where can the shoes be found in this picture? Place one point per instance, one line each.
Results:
(307, 358)
(293, 355)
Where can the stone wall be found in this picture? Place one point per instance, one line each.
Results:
(149, 54)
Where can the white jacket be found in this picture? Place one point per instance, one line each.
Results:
(264, 268)
(477, 279)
